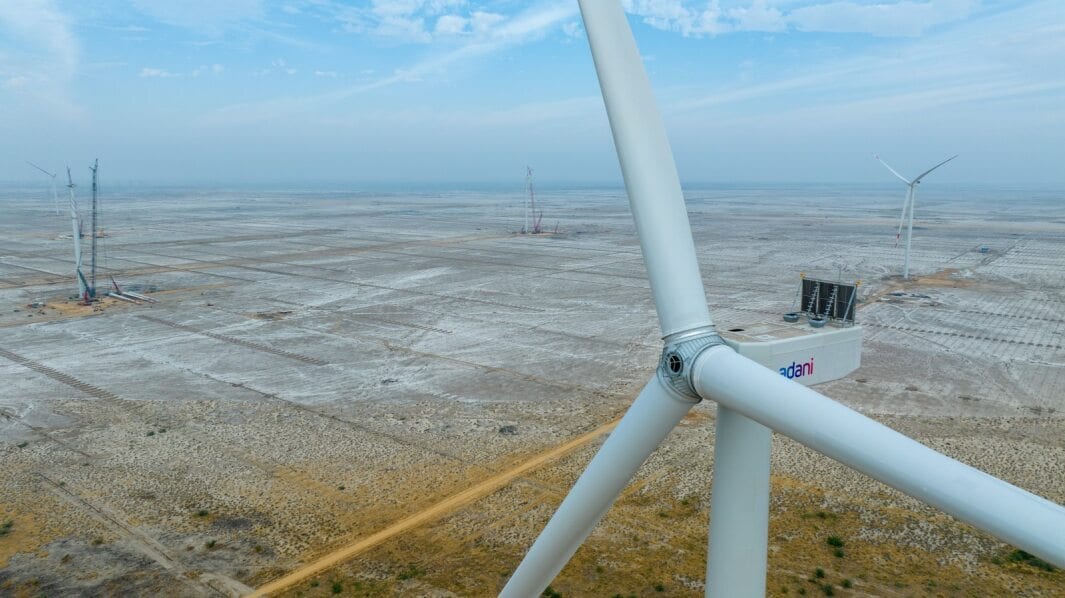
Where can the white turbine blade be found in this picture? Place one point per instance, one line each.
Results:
(902, 217)
(1025, 520)
(55, 197)
(39, 168)
(647, 164)
(654, 413)
(925, 173)
(886, 165)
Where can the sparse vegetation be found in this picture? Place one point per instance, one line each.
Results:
(337, 587)
(828, 589)
(22, 444)
(210, 543)
(202, 513)
(410, 572)
(835, 541)
(550, 592)
(97, 541)
(819, 573)
(1020, 556)
(838, 553)
(151, 432)
(846, 583)
(660, 588)
(314, 583)
(5, 528)
(340, 487)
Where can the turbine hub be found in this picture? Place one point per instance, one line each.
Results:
(680, 352)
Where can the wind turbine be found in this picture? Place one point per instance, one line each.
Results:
(55, 196)
(75, 226)
(907, 204)
(752, 399)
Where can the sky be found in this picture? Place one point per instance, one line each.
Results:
(301, 92)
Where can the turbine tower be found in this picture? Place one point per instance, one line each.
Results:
(697, 364)
(75, 227)
(55, 196)
(907, 205)
(538, 217)
(92, 275)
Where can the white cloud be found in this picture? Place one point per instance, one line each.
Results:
(481, 22)
(329, 74)
(214, 69)
(904, 18)
(154, 73)
(759, 16)
(39, 54)
(451, 25)
(1007, 56)
(522, 28)
(888, 18)
(200, 14)
(411, 21)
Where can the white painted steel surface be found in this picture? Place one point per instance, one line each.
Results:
(1006, 511)
(652, 415)
(831, 352)
(650, 174)
(76, 234)
(739, 507)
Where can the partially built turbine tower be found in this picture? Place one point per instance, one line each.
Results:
(75, 228)
(530, 206)
(95, 230)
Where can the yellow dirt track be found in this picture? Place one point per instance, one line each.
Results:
(444, 507)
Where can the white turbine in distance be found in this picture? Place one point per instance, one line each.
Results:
(907, 204)
(75, 225)
(55, 195)
(696, 364)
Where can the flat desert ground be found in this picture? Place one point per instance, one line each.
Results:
(388, 393)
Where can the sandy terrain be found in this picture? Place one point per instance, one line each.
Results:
(391, 392)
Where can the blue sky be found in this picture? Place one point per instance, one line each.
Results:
(308, 91)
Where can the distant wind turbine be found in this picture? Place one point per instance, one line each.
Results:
(907, 204)
(75, 226)
(55, 196)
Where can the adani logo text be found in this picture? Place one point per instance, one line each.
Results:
(798, 370)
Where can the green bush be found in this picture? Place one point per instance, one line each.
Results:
(819, 573)
(835, 541)
(337, 587)
(1020, 556)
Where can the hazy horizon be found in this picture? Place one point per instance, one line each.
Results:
(250, 92)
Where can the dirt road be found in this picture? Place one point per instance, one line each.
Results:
(440, 509)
